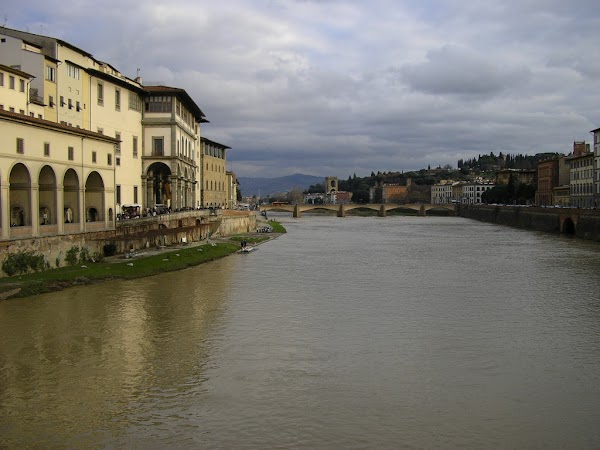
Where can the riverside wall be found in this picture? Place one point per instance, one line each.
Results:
(135, 234)
(581, 223)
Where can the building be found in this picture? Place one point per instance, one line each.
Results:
(520, 176)
(390, 193)
(171, 158)
(442, 193)
(331, 184)
(472, 191)
(343, 197)
(137, 145)
(581, 175)
(547, 180)
(232, 188)
(54, 179)
(596, 134)
(393, 193)
(213, 162)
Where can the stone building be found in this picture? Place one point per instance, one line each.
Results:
(81, 140)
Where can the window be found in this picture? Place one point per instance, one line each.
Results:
(1, 79)
(70, 104)
(72, 71)
(11, 82)
(159, 103)
(62, 101)
(157, 146)
(78, 106)
(94, 157)
(135, 194)
(109, 159)
(135, 102)
(100, 130)
(21, 85)
(118, 146)
(50, 73)
(20, 145)
(118, 161)
(117, 100)
(100, 94)
(135, 147)
(46, 148)
(51, 101)
(118, 193)
(71, 154)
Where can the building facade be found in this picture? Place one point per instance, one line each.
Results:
(596, 134)
(471, 192)
(547, 180)
(443, 193)
(582, 180)
(80, 140)
(54, 179)
(214, 179)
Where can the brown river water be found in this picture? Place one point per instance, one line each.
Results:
(343, 333)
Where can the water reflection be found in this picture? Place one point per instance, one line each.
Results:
(86, 364)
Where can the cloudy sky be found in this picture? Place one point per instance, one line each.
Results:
(336, 87)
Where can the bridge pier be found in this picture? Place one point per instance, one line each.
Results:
(421, 212)
(381, 212)
(341, 211)
(296, 213)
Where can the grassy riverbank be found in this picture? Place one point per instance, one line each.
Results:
(143, 264)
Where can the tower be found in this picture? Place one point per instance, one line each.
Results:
(331, 185)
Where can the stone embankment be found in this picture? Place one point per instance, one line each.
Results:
(581, 223)
(133, 235)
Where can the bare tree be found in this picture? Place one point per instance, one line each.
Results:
(295, 196)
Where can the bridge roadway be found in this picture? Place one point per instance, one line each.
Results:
(341, 210)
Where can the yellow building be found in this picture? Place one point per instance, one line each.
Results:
(231, 190)
(54, 179)
(157, 155)
(214, 179)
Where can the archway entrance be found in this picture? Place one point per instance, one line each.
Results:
(159, 184)
(20, 196)
(568, 226)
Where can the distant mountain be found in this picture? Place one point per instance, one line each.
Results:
(265, 187)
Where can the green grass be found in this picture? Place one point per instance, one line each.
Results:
(87, 273)
(277, 227)
(249, 239)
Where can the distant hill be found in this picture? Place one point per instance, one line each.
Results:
(265, 187)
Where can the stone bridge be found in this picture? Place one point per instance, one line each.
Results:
(341, 210)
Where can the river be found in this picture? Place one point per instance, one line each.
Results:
(343, 333)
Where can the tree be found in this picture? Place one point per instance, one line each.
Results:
(295, 197)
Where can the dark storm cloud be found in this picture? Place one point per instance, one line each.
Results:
(346, 86)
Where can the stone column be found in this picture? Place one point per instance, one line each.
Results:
(35, 209)
(5, 204)
(382, 211)
(145, 202)
(82, 211)
(60, 209)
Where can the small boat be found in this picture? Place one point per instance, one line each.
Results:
(247, 249)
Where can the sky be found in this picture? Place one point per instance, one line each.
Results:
(342, 87)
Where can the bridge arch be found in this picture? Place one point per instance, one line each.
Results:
(568, 226)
